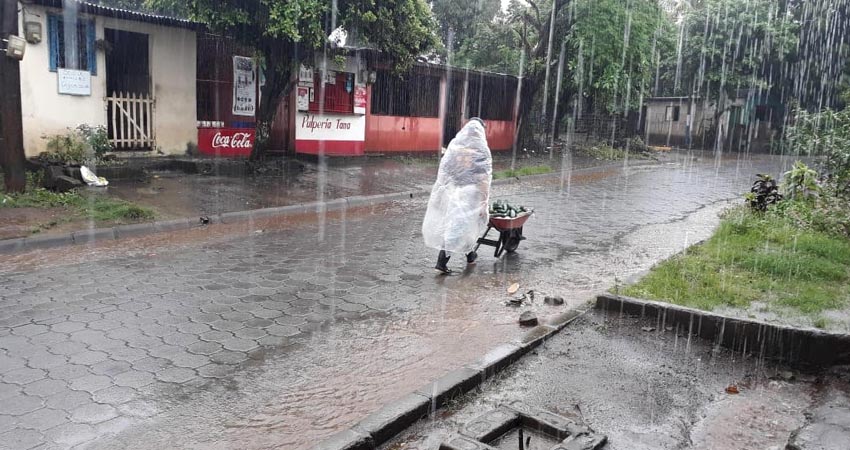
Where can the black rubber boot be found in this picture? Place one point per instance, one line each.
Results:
(442, 262)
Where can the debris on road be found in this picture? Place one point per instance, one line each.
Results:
(513, 289)
(91, 179)
(648, 329)
(553, 301)
(787, 375)
(528, 319)
(732, 389)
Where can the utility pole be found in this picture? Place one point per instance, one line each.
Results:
(12, 158)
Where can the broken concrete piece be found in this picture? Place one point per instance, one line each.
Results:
(65, 183)
(553, 301)
(528, 319)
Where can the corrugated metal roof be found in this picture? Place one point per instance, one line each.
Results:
(125, 14)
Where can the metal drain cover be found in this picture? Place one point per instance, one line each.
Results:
(486, 431)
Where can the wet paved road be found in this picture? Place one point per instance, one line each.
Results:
(213, 339)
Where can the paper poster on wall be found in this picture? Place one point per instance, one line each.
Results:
(312, 95)
(360, 100)
(244, 87)
(330, 77)
(74, 82)
(305, 76)
(301, 98)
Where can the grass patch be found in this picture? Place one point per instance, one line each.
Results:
(756, 257)
(99, 207)
(521, 172)
(112, 210)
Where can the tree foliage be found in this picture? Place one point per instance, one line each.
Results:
(461, 19)
(826, 133)
(495, 46)
(616, 42)
(728, 45)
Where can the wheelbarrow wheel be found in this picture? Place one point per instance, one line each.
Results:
(511, 240)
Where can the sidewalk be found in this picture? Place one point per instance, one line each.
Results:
(180, 199)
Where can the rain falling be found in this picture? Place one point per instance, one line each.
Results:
(425, 224)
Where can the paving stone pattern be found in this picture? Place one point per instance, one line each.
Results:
(88, 349)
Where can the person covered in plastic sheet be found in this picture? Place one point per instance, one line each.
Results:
(458, 209)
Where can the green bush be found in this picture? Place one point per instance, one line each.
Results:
(83, 145)
(97, 138)
(35, 196)
(801, 181)
(827, 134)
(827, 213)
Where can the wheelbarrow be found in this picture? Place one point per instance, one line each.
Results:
(510, 234)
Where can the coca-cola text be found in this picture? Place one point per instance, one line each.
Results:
(236, 140)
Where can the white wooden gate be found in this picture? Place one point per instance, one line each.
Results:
(132, 121)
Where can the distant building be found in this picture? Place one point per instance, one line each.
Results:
(747, 123)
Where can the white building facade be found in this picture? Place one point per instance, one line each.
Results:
(132, 73)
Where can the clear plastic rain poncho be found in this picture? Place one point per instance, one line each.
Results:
(458, 208)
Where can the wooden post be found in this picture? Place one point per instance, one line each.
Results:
(12, 157)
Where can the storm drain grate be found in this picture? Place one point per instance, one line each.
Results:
(521, 427)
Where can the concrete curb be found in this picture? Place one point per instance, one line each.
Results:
(794, 346)
(90, 236)
(381, 426)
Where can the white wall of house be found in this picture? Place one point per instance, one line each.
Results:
(173, 71)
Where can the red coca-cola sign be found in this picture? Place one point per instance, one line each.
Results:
(227, 142)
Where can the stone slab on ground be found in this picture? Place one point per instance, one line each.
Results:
(451, 385)
(828, 422)
(393, 418)
(795, 346)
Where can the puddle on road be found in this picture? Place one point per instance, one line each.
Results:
(326, 382)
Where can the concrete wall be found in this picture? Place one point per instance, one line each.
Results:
(173, 70)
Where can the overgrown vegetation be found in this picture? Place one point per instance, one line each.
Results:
(633, 148)
(825, 134)
(82, 145)
(100, 208)
(764, 193)
(522, 171)
(791, 254)
(753, 257)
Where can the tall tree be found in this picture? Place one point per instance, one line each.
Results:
(610, 43)
(12, 158)
(616, 43)
(729, 45)
(458, 20)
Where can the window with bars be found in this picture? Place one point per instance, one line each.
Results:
(410, 95)
(74, 50)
